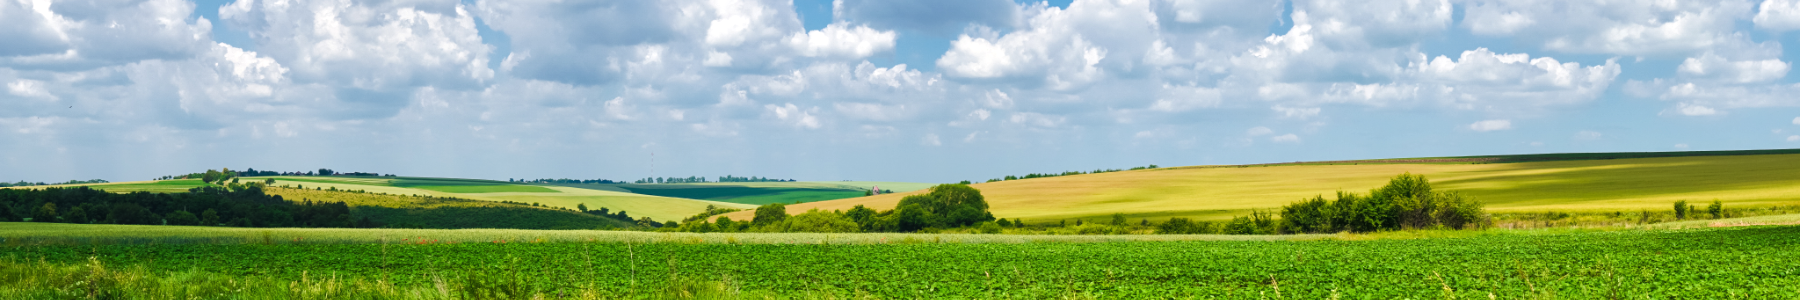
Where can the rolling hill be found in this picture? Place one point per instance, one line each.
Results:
(1603, 182)
(759, 193)
(638, 205)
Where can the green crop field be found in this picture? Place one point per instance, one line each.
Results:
(1702, 263)
(1219, 192)
(160, 186)
(638, 205)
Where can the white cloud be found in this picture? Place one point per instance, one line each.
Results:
(1616, 27)
(931, 139)
(369, 46)
(1793, 138)
(1285, 138)
(794, 115)
(1778, 15)
(1687, 109)
(1712, 66)
(1796, 120)
(1681, 146)
(1296, 112)
(1061, 49)
(1587, 135)
(840, 40)
(1491, 125)
(29, 89)
(1258, 131)
(1184, 98)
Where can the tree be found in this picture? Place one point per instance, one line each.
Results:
(76, 215)
(581, 207)
(815, 220)
(862, 215)
(182, 217)
(45, 213)
(770, 214)
(210, 176)
(210, 217)
(1681, 209)
(1716, 209)
(128, 213)
(270, 181)
(1118, 219)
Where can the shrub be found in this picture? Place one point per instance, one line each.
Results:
(44, 213)
(1118, 219)
(182, 217)
(1716, 209)
(770, 214)
(1183, 226)
(816, 220)
(1681, 210)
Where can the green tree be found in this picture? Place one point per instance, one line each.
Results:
(770, 214)
(127, 213)
(76, 215)
(815, 220)
(582, 207)
(270, 181)
(863, 216)
(45, 213)
(1681, 210)
(183, 217)
(1716, 209)
(209, 217)
(1118, 219)
(210, 176)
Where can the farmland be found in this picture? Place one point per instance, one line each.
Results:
(1219, 192)
(659, 208)
(758, 193)
(1731, 262)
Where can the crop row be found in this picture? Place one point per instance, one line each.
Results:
(1755, 262)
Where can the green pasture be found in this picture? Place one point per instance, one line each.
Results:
(160, 186)
(1217, 193)
(51, 261)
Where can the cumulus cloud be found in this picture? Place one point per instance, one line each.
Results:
(1713, 67)
(1778, 15)
(1491, 125)
(70, 35)
(1621, 27)
(1285, 138)
(1587, 135)
(1059, 49)
(794, 115)
(842, 41)
(942, 17)
(368, 46)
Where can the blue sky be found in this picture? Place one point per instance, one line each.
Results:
(930, 91)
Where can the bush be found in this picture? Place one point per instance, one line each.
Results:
(182, 217)
(1716, 209)
(1681, 210)
(1183, 226)
(771, 213)
(1407, 201)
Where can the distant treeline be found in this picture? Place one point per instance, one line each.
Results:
(1066, 173)
(24, 183)
(947, 206)
(254, 172)
(239, 205)
(702, 179)
(564, 181)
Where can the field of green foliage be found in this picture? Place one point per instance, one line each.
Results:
(1702, 263)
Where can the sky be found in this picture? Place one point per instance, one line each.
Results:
(917, 90)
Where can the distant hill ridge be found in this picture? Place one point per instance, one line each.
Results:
(1515, 158)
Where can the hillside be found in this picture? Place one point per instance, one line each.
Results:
(759, 193)
(637, 205)
(1219, 192)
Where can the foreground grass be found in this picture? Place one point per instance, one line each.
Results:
(1704, 263)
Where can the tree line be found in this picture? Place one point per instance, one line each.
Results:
(25, 183)
(564, 181)
(252, 172)
(946, 206)
(238, 205)
(1065, 173)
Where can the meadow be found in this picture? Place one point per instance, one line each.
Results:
(1608, 186)
(638, 205)
(1725, 262)
(759, 193)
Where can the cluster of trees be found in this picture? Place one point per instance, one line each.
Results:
(607, 213)
(254, 172)
(564, 181)
(1406, 202)
(729, 178)
(1683, 209)
(24, 183)
(702, 179)
(946, 206)
(689, 179)
(239, 205)
(1067, 173)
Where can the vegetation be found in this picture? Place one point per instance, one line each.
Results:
(1515, 194)
(1065, 173)
(946, 206)
(747, 194)
(564, 181)
(1740, 262)
(23, 183)
(238, 205)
